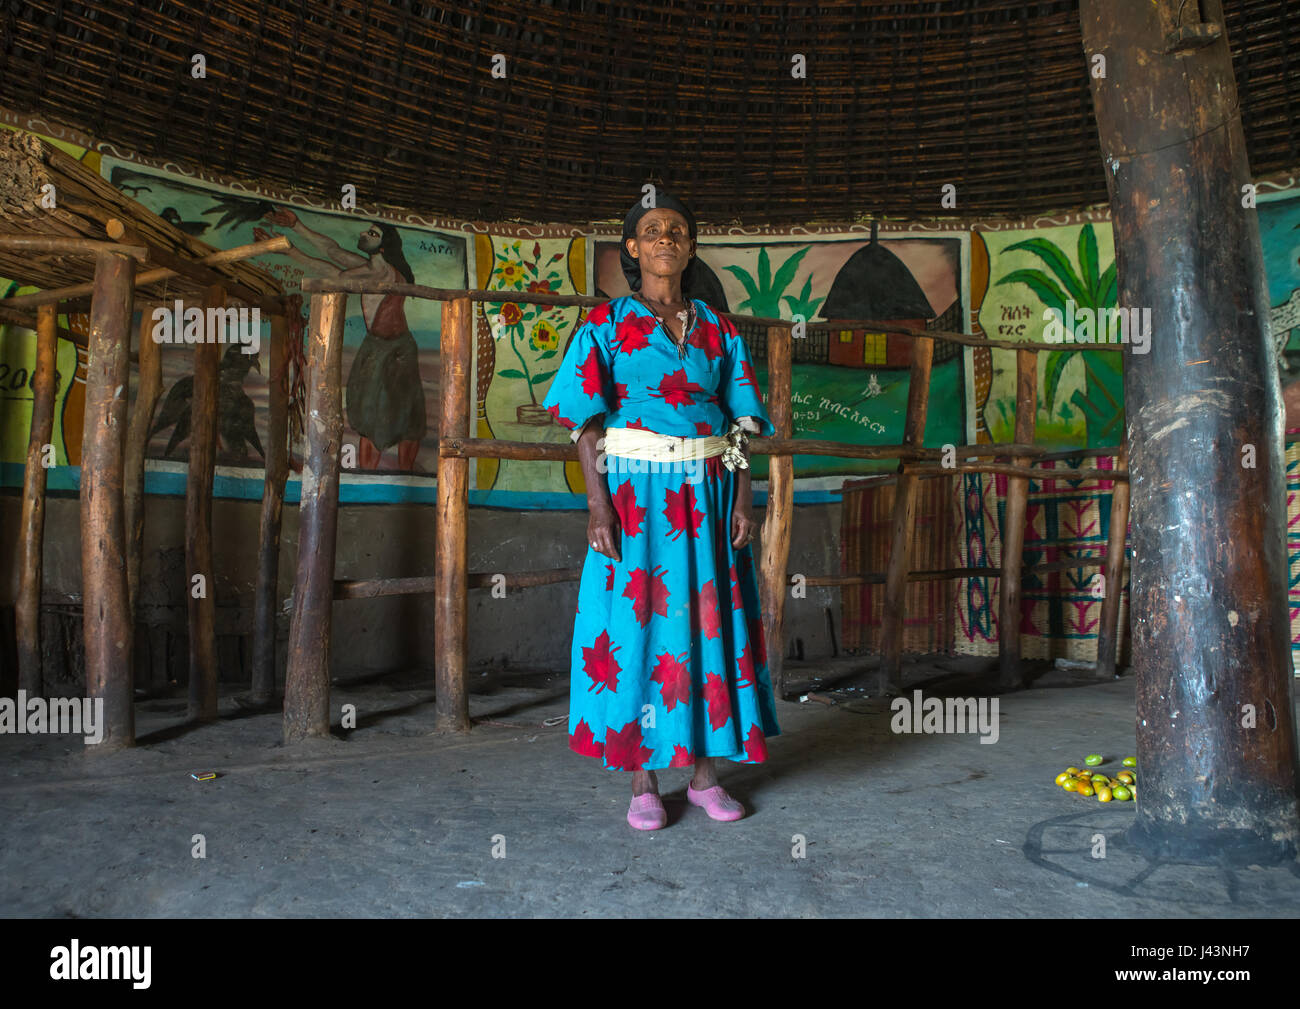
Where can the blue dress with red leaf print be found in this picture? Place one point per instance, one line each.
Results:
(668, 660)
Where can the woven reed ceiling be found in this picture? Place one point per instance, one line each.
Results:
(398, 98)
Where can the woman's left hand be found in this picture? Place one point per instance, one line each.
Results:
(743, 528)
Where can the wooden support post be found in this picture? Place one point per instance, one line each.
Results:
(1013, 526)
(451, 603)
(1108, 630)
(106, 623)
(307, 676)
(199, 581)
(148, 390)
(1216, 734)
(779, 517)
(31, 537)
(918, 403)
(268, 549)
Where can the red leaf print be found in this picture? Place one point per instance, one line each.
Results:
(677, 389)
(682, 757)
(757, 640)
(599, 663)
(633, 333)
(715, 696)
(582, 741)
(637, 425)
(705, 336)
(620, 393)
(630, 514)
(737, 600)
(747, 375)
(680, 510)
(707, 620)
(703, 428)
(624, 750)
(554, 411)
(745, 664)
(755, 745)
(674, 678)
(648, 593)
(593, 377)
(609, 577)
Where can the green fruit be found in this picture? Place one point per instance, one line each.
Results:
(1130, 762)
(1092, 759)
(1121, 793)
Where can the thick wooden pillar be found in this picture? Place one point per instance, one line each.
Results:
(1216, 742)
(148, 390)
(1108, 630)
(199, 586)
(451, 635)
(31, 537)
(268, 549)
(918, 404)
(307, 676)
(1013, 526)
(106, 623)
(778, 519)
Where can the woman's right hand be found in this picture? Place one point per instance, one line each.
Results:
(603, 530)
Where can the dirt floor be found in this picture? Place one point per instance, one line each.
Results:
(389, 820)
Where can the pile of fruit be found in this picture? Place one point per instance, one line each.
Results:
(1121, 788)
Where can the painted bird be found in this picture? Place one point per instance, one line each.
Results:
(235, 412)
(172, 216)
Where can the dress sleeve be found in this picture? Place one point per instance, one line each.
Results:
(738, 391)
(583, 387)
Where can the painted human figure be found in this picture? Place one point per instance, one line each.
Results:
(385, 395)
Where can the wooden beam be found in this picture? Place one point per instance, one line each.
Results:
(47, 245)
(200, 576)
(307, 677)
(372, 588)
(1013, 526)
(779, 518)
(266, 593)
(1117, 535)
(148, 391)
(918, 403)
(1215, 719)
(450, 607)
(105, 618)
(1027, 471)
(31, 537)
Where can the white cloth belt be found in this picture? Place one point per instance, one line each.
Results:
(634, 443)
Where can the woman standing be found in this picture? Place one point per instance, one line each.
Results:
(668, 664)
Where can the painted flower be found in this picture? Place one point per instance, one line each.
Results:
(511, 272)
(511, 315)
(544, 336)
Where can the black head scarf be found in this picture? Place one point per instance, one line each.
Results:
(632, 267)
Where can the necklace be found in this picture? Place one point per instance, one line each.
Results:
(687, 318)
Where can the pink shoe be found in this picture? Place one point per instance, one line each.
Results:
(716, 802)
(647, 812)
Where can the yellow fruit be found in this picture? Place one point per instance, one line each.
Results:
(1092, 759)
(1121, 793)
(1103, 793)
(1063, 777)
(1130, 762)
(1070, 784)
(1085, 788)
(1126, 776)
(1072, 770)
(1099, 777)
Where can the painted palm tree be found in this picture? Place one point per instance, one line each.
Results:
(1102, 400)
(766, 292)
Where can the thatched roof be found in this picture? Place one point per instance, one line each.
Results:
(399, 98)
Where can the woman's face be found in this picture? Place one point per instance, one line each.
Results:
(663, 245)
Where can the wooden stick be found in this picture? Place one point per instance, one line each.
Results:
(50, 246)
(278, 244)
(307, 677)
(1117, 534)
(148, 391)
(200, 597)
(1032, 472)
(371, 588)
(105, 617)
(780, 502)
(918, 402)
(28, 321)
(266, 593)
(450, 608)
(31, 538)
(1013, 529)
